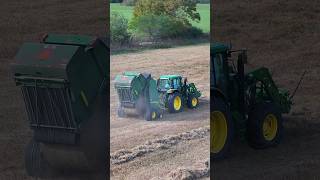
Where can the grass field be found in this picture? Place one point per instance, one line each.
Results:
(203, 9)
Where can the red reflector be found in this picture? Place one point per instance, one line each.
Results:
(45, 54)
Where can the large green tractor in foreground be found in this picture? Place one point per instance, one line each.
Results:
(149, 97)
(247, 105)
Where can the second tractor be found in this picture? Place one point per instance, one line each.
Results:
(248, 105)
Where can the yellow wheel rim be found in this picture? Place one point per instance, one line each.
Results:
(194, 102)
(270, 127)
(153, 115)
(218, 132)
(177, 103)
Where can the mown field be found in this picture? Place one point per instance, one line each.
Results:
(184, 160)
(203, 9)
(284, 37)
(26, 21)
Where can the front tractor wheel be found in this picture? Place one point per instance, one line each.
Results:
(264, 126)
(221, 132)
(192, 102)
(175, 103)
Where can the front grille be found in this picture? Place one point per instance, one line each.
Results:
(49, 107)
(125, 95)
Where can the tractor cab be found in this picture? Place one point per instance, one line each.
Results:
(227, 70)
(224, 66)
(169, 82)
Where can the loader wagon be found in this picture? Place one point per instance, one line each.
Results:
(138, 91)
(63, 82)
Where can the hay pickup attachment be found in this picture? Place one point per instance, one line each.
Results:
(248, 105)
(149, 97)
(63, 83)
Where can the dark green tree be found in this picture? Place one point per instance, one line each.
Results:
(181, 10)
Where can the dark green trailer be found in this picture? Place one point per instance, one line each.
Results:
(63, 83)
(138, 91)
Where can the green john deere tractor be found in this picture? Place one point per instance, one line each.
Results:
(149, 97)
(248, 105)
(175, 94)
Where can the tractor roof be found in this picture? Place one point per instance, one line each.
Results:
(217, 47)
(173, 76)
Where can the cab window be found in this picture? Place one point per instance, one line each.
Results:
(176, 83)
(218, 68)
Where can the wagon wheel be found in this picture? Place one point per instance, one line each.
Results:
(151, 114)
(36, 165)
(121, 112)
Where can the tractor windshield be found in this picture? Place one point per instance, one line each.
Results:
(164, 84)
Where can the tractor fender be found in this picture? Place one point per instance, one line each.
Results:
(217, 93)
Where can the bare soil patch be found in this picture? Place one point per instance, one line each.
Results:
(283, 36)
(131, 133)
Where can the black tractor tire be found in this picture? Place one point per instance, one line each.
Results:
(36, 165)
(151, 114)
(220, 116)
(265, 128)
(172, 99)
(121, 112)
(192, 101)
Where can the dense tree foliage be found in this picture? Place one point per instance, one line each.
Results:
(181, 10)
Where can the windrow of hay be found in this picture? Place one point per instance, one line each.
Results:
(199, 170)
(126, 155)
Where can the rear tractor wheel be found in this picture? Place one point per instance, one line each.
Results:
(265, 127)
(175, 103)
(221, 132)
